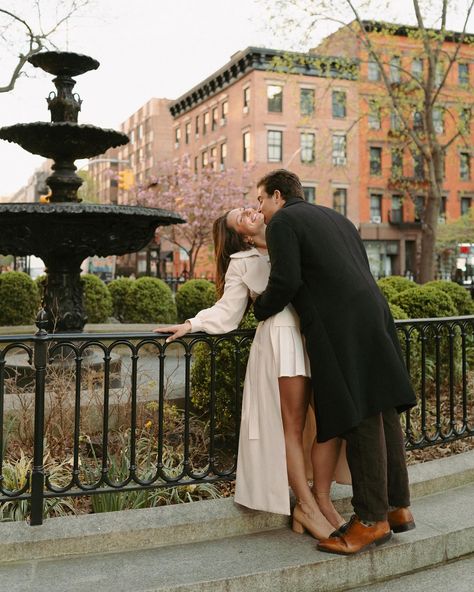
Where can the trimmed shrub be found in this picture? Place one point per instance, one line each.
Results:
(459, 295)
(119, 289)
(225, 401)
(393, 284)
(97, 299)
(397, 311)
(19, 298)
(149, 300)
(425, 302)
(193, 296)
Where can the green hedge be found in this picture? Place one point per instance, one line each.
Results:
(397, 312)
(225, 382)
(193, 296)
(149, 300)
(97, 299)
(460, 296)
(19, 298)
(425, 302)
(394, 284)
(119, 290)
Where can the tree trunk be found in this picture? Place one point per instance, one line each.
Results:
(428, 237)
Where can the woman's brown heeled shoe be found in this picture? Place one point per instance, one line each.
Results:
(303, 521)
(325, 495)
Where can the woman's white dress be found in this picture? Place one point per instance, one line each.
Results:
(277, 350)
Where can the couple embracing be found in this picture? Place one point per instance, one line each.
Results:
(326, 344)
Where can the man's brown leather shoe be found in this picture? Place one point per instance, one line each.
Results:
(401, 520)
(357, 538)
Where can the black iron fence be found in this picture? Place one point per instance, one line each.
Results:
(88, 414)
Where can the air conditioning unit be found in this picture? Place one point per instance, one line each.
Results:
(245, 109)
(221, 166)
(223, 121)
(376, 220)
(176, 145)
(340, 160)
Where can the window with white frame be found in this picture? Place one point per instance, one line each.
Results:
(373, 70)
(275, 145)
(306, 101)
(307, 147)
(338, 100)
(309, 193)
(395, 69)
(339, 200)
(375, 208)
(339, 149)
(275, 98)
(246, 147)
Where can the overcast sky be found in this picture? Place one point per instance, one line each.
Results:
(147, 48)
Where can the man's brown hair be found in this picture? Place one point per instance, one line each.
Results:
(287, 183)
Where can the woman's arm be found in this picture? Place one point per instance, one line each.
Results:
(226, 313)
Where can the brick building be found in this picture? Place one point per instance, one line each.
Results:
(392, 176)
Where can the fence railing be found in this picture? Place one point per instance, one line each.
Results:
(88, 414)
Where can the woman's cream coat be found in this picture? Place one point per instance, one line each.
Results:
(262, 481)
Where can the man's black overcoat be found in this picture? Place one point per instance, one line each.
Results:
(319, 264)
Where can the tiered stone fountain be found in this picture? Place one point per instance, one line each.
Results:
(64, 232)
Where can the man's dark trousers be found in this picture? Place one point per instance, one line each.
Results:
(376, 458)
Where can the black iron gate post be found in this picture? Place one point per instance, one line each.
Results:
(37, 476)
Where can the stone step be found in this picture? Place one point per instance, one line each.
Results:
(187, 523)
(456, 575)
(277, 560)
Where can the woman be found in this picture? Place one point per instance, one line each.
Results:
(277, 389)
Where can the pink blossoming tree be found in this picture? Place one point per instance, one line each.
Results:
(198, 198)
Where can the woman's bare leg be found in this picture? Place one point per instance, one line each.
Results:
(294, 399)
(324, 456)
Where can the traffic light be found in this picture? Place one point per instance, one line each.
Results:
(126, 179)
(45, 198)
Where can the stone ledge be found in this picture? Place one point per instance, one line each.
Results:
(189, 523)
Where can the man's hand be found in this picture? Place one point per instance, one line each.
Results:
(176, 330)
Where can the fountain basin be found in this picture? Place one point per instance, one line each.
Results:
(65, 139)
(78, 230)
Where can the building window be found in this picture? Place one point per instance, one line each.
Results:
(395, 121)
(397, 163)
(196, 161)
(395, 66)
(246, 147)
(396, 213)
(418, 121)
(375, 157)
(196, 126)
(419, 208)
(132, 137)
(338, 103)
(417, 68)
(215, 117)
(224, 112)
(275, 98)
(463, 74)
(205, 122)
(140, 132)
(275, 146)
(465, 118)
(246, 99)
(466, 203)
(177, 137)
(306, 101)
(439, 73)
(419, 166)
(307, 147)
(187, 132)
(375, 208)
(214, 157)
(373, 70)
(204, 158)
(339, 155)
(309, 194)
(223, 156)
(438, 120)
(442, 209)
(465, 166)
(375, 119)
(339, 200)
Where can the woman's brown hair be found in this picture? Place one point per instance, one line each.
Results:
(227, 241)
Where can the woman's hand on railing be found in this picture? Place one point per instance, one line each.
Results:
(176, 330)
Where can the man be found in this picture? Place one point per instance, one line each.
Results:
(319, 264)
